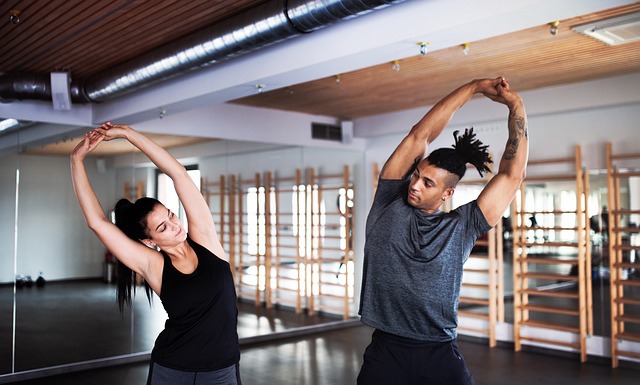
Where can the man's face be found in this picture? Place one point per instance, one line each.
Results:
(430, 186)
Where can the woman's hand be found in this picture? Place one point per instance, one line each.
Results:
(88, 144)
(112, 131)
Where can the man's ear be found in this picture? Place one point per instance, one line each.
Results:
(448, 193)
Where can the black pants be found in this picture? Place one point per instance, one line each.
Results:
(390, 359)
(160, 375)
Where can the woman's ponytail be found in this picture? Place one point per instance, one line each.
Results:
(131, 218)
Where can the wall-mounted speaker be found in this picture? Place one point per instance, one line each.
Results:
(60, 91)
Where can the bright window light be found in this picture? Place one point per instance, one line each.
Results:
(7, 123)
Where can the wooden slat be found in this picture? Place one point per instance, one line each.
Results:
(546, 212)
(545, 178)
(551, 261)
(476, 330)
(551, 309)
(628, 353)
(472, 314)
(482, 286)
(549, 293)
(537, 162)
(551, 244)
(635, 337)
(630, 301)
(629, 318)
(551, 325)
(550, 276)
(627, 282)
(477, 301)
(626, 174)
(625, 156)
(551, 342)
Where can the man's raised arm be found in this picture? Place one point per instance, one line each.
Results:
(499, 192)
(414, 146)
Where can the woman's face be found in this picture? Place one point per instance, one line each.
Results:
(164, 227)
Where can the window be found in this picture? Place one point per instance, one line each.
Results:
(168, 196)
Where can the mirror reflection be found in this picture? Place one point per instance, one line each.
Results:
(8, 172)
(284, 221)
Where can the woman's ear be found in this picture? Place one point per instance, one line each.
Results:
(149, 243)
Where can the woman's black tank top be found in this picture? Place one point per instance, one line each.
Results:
(201, 332)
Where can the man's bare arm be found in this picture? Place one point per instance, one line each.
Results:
(499, 192)
(414, 146)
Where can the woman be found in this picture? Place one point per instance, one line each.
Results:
(189, 272)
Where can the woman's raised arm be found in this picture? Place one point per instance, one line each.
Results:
(133, 254)
(201, 225)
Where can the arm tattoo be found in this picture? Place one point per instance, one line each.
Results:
(517, 130)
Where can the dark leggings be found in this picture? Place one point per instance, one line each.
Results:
(160, 375)
(391, 359)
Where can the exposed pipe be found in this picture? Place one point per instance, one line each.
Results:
(270, 23)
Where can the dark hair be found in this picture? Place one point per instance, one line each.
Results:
(467, 149)
(131, 218)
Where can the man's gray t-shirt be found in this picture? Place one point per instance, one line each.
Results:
(413, 264)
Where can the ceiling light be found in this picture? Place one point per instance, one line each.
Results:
(423, 47)
(14, 16)
(7, 123)
(260, 87)
(395, 66)
(554, 28)
(466, 48)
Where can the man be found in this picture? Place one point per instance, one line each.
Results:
(414, 253)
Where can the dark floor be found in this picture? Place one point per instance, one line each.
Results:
(77, 321)
(334, 358)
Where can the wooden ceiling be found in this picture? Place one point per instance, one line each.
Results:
(529, 59)
(86, 37)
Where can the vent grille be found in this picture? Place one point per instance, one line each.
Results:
(326, 132)
(614, 31)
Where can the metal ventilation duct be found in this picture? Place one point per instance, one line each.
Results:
(260, 27)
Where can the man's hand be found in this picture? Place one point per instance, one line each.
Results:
(502, 93)
(488, 87)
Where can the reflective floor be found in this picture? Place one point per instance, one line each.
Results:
(67, 322)
(334, 358)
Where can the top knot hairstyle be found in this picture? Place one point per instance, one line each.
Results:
(467, 149)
